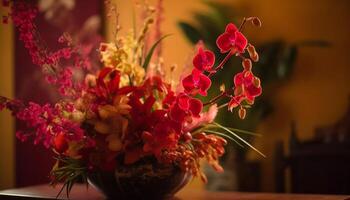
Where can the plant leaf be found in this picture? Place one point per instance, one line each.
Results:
(223, 135)
(151, 51)
(192, 34)
(239, 138)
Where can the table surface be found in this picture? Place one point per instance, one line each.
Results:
(80, 192)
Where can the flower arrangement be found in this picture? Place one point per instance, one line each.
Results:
(127, 110)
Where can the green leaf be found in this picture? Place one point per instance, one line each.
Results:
(192, 34)
(151, 51)
(226, 136)
(239, 138)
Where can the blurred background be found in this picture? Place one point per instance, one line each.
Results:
(303, 115)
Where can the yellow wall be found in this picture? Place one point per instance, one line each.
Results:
(7, 162)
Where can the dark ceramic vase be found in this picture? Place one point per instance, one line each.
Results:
(142, 180)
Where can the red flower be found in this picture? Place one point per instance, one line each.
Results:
(204, 60)
(60, 143)
(107, 84)
(185, 108)
(231, 39)
(247, 88)
(196, 83)
(169, 99)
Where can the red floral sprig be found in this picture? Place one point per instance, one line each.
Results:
(246, 86)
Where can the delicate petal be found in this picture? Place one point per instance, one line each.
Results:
(177, 114)
(103, 73)
(149, 103)
(231, 28)
(204, 85)
(238, 79)
(253, 91)
(169, 98)
(196, 75)
(235, 101)
(60, 143)
(113, 84)
(204, 60)
(188, 84)
(224, 42)
(183, 102)
(240, 42)
(195, 107)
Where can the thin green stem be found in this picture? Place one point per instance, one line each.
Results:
(223, 135)
(239, 138)
(221, 65)
(222, 105)
(215, 99)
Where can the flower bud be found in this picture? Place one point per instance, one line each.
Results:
(255, 57)
(222, 88)
(222, 141)
(204, 178)
(200, 135)
(251, 49)
(257, 82)
(242, 113)
(218, 168)
(252, 53)
(60, 143)
(220, 150)
(187, 137)
(256, 22)
(247, 64)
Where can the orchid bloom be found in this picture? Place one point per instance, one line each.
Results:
(196, 83)
(247, 87)
(185, 108)
(204, 60)
(231, 39)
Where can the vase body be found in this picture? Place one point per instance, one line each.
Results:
(142, 180)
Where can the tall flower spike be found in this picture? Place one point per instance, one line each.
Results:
(231, 39)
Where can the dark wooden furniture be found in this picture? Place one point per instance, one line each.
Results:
(80, 192)
(319, 165)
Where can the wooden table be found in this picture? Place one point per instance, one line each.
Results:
(80, 192)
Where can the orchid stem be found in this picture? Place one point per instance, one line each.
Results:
(242, 25)
(215, 99)
(223, 105)
(221, 65)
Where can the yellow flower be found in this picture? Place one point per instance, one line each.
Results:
(111, 55)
